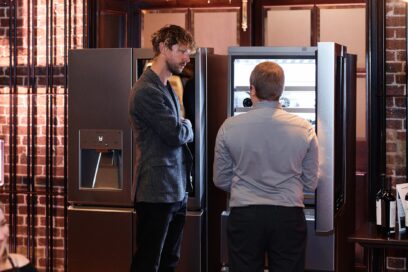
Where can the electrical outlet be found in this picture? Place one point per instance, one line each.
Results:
(396, 263)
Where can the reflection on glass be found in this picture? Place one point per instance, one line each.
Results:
(299, 95)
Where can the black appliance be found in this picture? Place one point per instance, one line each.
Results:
(320, 86)
(101, 216)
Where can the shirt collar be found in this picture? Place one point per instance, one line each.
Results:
(268, 104)
(149, 72)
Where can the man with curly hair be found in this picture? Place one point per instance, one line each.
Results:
(162, 159)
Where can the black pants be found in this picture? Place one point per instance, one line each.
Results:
(158, 237)
(259, 230)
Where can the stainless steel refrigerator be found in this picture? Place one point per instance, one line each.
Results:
(101, 215)
(320, 87)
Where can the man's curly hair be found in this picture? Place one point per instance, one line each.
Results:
(171, 35)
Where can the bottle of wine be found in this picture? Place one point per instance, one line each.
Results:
(390, 210)
(379, 204)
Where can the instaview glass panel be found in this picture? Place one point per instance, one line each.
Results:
(299, 95)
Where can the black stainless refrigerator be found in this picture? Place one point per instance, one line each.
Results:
(320, 87)
(101, 215)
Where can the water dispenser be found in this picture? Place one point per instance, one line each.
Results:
(100, 159)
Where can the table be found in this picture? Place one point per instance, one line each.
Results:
(375, 243)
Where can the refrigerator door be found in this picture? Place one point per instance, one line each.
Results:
(191, 89)
(332, 113)
(192, 256)
(330, 191)
(299, 96)
(99, 134)
(197, 200)
(298, 64)
(100, 239)
(320, 253)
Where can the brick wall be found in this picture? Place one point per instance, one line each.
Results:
(26, 117)
(395, 44)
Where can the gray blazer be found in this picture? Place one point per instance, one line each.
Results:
(162, 161)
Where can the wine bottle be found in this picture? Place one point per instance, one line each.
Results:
(390, 210)
(379, 203)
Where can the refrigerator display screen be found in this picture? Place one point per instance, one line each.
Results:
(299, 95)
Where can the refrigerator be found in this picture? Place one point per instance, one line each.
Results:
(320, 86)
(101, 215)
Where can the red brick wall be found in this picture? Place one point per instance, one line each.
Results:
(395, 44)
(23, 105)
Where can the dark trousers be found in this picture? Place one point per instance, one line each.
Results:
(158, 237)
(259, 230)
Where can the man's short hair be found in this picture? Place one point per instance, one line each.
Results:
(268, 79)
(171, 35)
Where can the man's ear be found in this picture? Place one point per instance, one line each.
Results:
(162, 47)
(252, 90)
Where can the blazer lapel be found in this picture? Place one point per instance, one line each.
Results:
(168, 90)
(174, 98)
